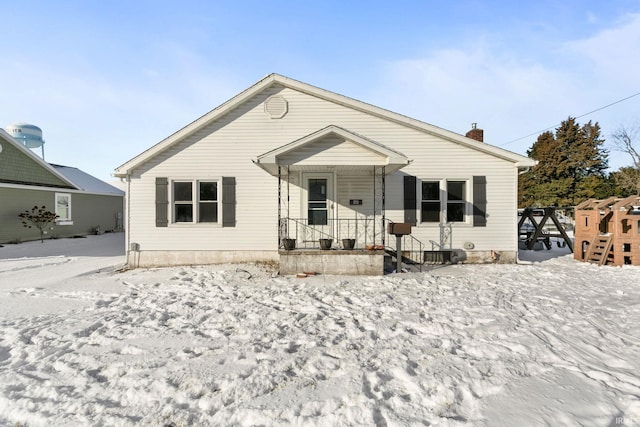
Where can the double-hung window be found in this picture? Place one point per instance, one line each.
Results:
(430, 201)
(208, 201)
(195, 201)
(456, 201)
(183, 201)
(443, 199)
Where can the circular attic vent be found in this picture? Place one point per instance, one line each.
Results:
(276, 106)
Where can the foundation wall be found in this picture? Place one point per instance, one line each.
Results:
(353, 263)
(356, 262)
(173, 258)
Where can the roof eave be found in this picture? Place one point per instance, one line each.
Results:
(125, 169)
(37, 159)
(527, 163)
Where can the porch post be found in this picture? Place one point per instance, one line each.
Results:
(374, 205)
(383, 203)
(279, 204)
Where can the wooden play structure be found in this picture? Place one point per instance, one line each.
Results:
(607, 232)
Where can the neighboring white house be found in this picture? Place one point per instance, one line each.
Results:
(284, 159)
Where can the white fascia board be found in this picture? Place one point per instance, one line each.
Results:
(125, 169)
(523, 161)
(392, 157)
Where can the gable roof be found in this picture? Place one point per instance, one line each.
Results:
(272, 79)
(74, 178)
(392, 158)
(36, 159)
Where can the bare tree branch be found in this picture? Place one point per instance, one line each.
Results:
(625, 139)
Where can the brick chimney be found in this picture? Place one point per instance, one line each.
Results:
(475, 133)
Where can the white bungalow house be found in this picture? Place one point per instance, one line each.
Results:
(287, 160)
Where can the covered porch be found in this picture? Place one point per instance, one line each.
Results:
(332, 187)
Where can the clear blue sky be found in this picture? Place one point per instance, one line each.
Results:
(106, 80)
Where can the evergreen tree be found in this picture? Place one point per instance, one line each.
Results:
(571, 167)
(627, 180)
(586, 156)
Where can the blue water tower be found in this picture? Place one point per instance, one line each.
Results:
(29, 135)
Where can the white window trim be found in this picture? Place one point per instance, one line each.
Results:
(443, 184)
(173, 201)
(218, 201)
(442, 212)
(69, 219)
(467, 200)
(195, 193)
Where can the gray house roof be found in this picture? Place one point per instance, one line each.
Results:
(87, 182)
(74, 177)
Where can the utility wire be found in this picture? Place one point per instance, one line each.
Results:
(578, 117)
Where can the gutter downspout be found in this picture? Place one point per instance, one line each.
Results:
(525, 170)
(127, 228)
(518, 260)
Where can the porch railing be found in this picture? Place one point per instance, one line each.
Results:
(365, 231)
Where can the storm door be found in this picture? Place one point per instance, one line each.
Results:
(318, 204)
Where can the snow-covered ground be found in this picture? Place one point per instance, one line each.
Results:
(550, 342)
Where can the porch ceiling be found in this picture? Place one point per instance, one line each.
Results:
(332, 149)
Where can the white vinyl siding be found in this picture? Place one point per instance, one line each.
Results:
(332, 151)
(230, 143)
(359, 188)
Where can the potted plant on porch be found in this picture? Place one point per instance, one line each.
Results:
(289, 244)
(348, 244)
(325, 244)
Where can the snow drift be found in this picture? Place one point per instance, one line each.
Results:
(551, 343)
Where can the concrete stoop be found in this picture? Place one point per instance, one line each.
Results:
(332, 261)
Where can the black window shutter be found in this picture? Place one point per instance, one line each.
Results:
(228, 201)
(479, 201)
(410, 202)
(162, 202)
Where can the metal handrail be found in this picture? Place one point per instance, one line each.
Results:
(308, 235)
(435, 245)
(363, 230)
(413, 251)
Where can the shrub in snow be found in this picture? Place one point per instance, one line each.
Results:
(38, 217)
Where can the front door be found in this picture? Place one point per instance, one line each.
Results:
(318, 202)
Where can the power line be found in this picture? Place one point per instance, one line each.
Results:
(578, 117)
